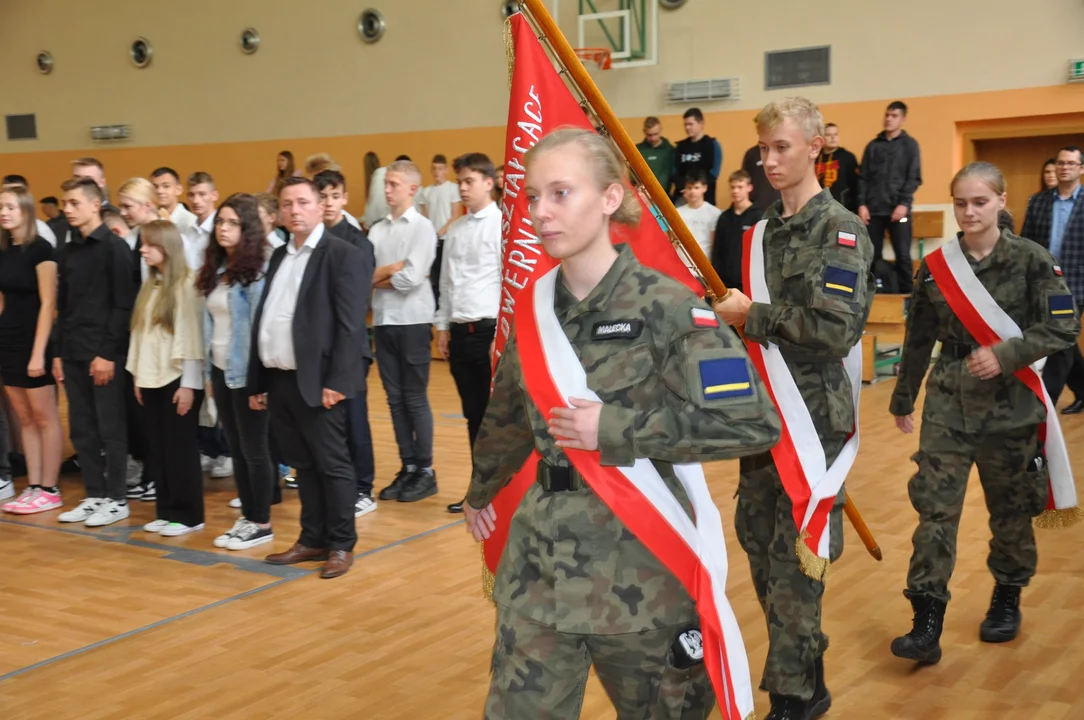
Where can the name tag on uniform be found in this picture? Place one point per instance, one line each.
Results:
(724, 378)
(617, 329)
(838, 281)
(1061, 306)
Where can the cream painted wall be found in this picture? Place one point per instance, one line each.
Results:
(442, 66)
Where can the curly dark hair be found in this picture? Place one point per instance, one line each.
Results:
(246, 264)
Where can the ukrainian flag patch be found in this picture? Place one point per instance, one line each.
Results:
(724, 378)
(838, 281)
(1061, 306)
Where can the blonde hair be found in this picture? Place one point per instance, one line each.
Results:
(802, 111)
(318, 163)
(139, 189)
(25, 201)
(606, 165)
(171, 279)
(988, 173)
(406, 168)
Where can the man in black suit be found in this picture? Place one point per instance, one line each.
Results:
(1055, 220)
(307, 340)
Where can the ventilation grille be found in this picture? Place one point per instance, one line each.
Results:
(797, 68)
(692, 90)
(22, 127)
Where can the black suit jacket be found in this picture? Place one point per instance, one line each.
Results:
(329, 321)
(1037, 225)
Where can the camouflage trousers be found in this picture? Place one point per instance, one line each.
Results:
(539, 673)
(791, 600)
(1014, 495)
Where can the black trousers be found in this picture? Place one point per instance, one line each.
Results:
(212, 441)
(360, 437)
(313, 442)
(171, 444)
(247, 434)
(403, 356)
(900, 235)
(468, 356)
(98, 424)
(137, 430)
(1065, 367)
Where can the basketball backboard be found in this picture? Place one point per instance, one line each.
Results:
(627, 28)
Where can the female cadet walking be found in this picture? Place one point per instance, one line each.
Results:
(977, 411)
(575, 587)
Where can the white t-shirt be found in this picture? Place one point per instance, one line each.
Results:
(218, 303)
(701, 222)
(438, 200)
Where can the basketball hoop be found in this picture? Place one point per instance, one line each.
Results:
(599, 56)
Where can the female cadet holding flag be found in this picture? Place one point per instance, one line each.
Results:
(614, 374)
(998, 305)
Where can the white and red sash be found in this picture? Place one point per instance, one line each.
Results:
(695, 552)
(989, 324)
(809, 482)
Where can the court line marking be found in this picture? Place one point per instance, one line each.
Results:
(195, 611)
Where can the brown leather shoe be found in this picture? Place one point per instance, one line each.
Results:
(297, 554)
(338, 563)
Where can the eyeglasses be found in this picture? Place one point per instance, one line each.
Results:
(227, 222)
(1066, 163)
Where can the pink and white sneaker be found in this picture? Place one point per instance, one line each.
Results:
(33, 500)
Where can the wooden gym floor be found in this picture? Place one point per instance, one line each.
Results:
(117, 623)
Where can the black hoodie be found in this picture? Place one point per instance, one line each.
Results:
(891, 173)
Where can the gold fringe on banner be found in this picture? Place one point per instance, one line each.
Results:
(1059, 519)
(488, 580)
(812, 564)
(509, 51)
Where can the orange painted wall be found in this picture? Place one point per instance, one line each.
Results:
(942, 124)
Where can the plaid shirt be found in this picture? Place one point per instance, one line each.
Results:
(1037, 226)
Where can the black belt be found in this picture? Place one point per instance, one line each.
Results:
(956, 350)
(476, 326)
(559, 479)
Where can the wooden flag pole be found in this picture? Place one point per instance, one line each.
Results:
(536, 12)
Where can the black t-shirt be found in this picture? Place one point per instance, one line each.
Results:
(19, 284)
(726, 251)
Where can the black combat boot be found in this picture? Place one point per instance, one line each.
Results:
(1002, 621)
(923, 643)
(785, 707)
(822, 699)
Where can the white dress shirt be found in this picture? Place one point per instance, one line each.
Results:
(438, 201)
(376, 204)
(274, 240)
(352, 220)
(276, 339)
(196, 240)
(45, 232)
(409, 301)
(184, 219)
(470, 269)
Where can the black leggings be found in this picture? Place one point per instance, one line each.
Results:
(246, 433)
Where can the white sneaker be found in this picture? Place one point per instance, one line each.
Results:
(250, 535)
(223, 540)
(364, 506)
(206, 463)
(177, 529)
(235, 503)
(155, 526)
(108, 512)
(82, 512)
(134, 475)
(7, 488)
(222, 468)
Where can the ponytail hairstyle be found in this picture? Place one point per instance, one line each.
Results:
(987, 172)
(606, 165)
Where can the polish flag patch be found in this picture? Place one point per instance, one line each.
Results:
(847, 239)
(702, 317)
(1057, 270)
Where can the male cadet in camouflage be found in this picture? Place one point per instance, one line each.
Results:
(817, 257)
(977, 412)
(574, 587)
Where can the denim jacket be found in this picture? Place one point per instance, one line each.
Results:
(243, 301)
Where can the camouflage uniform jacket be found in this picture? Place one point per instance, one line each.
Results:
(1021, 278)
(569, 562)
(821, 295)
